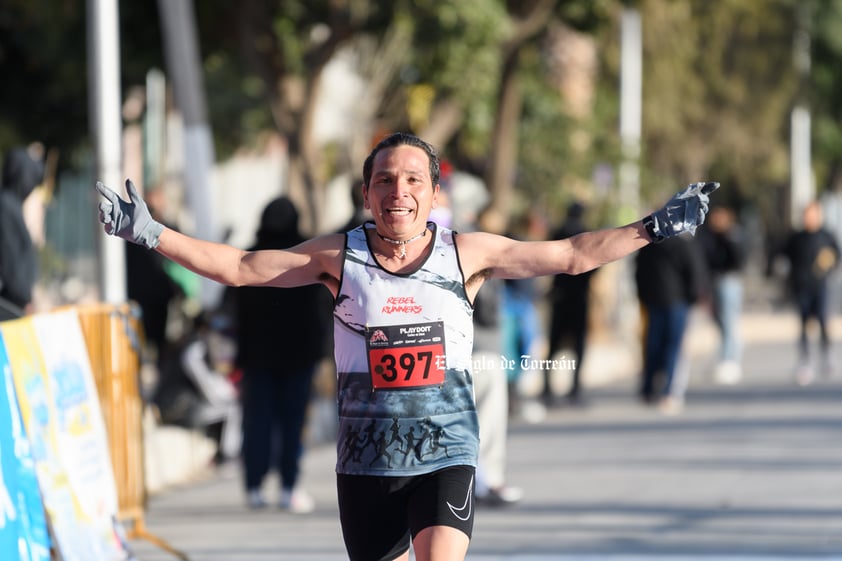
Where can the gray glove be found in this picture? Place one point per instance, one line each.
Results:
(682, 213)
(128, 220)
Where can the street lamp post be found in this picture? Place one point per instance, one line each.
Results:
(106, 131)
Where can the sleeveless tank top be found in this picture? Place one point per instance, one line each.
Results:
(403, 347)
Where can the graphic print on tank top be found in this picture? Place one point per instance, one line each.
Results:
(403, 354)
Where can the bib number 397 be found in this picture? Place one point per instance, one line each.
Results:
(406, 356)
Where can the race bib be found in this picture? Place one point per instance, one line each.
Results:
(406, 356)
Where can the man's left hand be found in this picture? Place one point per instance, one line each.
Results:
(684, 212)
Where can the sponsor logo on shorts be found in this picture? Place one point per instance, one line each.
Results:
(464, 512)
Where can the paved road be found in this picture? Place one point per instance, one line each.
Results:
(752, 471)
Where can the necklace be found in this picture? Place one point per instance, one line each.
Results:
(402, 243)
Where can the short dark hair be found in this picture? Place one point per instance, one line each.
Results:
(398, 139)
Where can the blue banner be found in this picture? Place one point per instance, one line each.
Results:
(23, 525)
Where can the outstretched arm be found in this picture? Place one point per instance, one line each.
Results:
(502, 257)
(310, 262)
(306, 263)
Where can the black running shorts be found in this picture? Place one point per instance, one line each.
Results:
(379, 515)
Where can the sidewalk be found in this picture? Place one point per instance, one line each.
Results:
(747, 470)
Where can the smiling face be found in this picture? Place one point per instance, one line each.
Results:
(400, 193)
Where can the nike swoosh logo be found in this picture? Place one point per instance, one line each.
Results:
(457, 512)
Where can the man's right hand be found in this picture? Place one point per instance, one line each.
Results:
(129, 220)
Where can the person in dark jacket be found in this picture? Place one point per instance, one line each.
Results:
(569, 299)
(813, 253)
(18, 255)
(149, 284)
(280, 342)
(671, 277)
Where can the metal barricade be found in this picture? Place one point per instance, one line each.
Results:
(114, 337)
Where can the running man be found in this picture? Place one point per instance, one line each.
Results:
(404, 289)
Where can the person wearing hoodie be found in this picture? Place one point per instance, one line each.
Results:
(18, 255)
(270, 323)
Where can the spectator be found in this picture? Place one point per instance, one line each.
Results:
(522, 333)
(192, 393)
(670, 278)
(149, 284)
(813, 253)
(279, 336)
(18, 256)
(569, 298)
(491, 388)
(723, 244)
(359, 214)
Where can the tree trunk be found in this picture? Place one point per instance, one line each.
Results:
(502, 166)
(445, 119)
(501, 172)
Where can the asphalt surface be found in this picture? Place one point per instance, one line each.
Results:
(747, 471)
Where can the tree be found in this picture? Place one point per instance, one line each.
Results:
(825, 91)
(277, 53)
(44, 91)
(528, 20)
(718, 86)
(467, 76)
(716, 97)
(560, 139)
